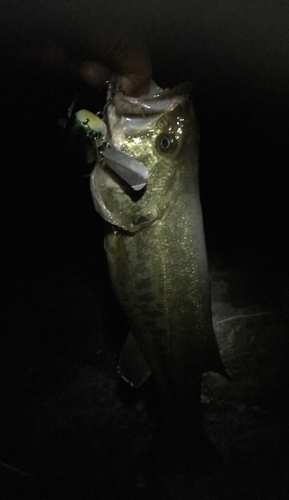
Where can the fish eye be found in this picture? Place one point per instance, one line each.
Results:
(165, 143)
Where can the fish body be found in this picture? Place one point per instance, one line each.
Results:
(156, 247)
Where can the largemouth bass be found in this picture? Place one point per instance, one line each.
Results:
(155, 246)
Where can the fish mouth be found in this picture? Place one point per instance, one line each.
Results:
(128, 116)
(155, 102)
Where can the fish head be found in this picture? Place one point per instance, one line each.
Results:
(160, 131)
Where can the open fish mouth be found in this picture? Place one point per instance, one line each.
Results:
(156, 101)
(138, 135)
(129, 116)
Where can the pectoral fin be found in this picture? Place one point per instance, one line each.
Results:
(132, 365)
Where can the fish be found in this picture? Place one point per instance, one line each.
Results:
(155, 243)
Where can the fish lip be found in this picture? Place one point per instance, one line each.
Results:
(157, 101)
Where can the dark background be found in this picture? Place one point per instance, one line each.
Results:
(236, 55)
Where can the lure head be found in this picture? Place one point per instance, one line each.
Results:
(87, 136)
(92, 125)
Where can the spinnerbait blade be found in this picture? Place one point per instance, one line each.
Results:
(128, 168)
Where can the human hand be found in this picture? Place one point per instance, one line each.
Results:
(79, 40)
(129, 67)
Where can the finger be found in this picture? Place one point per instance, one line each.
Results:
(94, 73)
(128, 58)
(85, 34)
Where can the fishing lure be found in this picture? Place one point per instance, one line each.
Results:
(89, 126)
(92, 125)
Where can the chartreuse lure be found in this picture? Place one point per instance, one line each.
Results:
(92, 125)
(128, 168)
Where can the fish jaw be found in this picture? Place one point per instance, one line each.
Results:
(127, 116)
(113, 199)
(155, 101)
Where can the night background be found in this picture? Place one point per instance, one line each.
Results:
(70, 429)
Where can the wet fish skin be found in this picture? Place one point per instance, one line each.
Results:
(156, 252)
